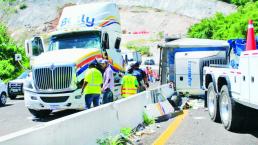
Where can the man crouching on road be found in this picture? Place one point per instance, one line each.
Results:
(92, 85)
(108, 84)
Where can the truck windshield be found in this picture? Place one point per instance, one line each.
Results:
(75, 40)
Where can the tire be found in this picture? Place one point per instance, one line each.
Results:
(230, 111)
(212, 103)
(12, 97)
(40, 113)
(3, 99)
(205, 99)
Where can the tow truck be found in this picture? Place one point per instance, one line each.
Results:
(231, 91)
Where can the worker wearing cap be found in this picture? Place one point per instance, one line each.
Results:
(92, 85)
(141, 76)
(129, 84)
(108, 83)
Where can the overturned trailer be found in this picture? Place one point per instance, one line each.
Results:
(182, 62)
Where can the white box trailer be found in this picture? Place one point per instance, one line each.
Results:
(189, 72)
(182, 62)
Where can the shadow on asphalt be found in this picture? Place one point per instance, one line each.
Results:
(6, 105)
(55, 115)
(249, 130)
(20, 98)
(249, 124)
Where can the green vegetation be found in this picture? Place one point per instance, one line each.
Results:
(139, 45)
(147, 120)
(23, 6)
(121, 139)
(127, 132)
(116, 140)
(10, 1)
(10, 69)
(227, 27)
(160, 35)
(238, 2)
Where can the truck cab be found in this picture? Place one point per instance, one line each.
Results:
(84, 33)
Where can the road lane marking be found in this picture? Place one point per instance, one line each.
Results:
(199, 118)
(162, 139)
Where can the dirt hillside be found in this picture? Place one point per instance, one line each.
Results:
(172, 16)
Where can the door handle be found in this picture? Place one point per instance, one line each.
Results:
(252, 79)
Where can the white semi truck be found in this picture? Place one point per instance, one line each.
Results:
(84, 33)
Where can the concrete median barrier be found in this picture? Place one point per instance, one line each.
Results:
(87, 126)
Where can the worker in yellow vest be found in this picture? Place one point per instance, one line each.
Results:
(129, 84)
(92, 85)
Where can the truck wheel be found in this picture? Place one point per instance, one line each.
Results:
(12, 97)
(230, 111)
(212, 103)
(3, 99)
(40, 113)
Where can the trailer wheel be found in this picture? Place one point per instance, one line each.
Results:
(40, 113)
(230, 111)
(212, 103)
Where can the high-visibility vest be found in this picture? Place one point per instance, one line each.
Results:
(128, 84)
(94, 78)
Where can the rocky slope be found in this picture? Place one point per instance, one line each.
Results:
(168, 16)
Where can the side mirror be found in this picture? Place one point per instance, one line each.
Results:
(126, 59)
(28, 48)
(117, 43)
(105, 42)
(34, 47)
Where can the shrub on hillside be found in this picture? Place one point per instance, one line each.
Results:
(9, 68)
(226, 27)
(23, 6)
(139, 46)
(238, 2)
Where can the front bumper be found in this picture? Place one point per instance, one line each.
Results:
(15, 89)
(57, 101)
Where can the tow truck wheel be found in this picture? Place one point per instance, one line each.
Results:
(3, 99)
(40, 113)
(212, 103)
(229, 110)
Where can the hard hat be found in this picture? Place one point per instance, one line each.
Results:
(137, 64)
(94, 63)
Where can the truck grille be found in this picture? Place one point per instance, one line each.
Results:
(54, 79)
(54, 99)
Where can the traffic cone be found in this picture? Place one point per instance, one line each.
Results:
(250, 42)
